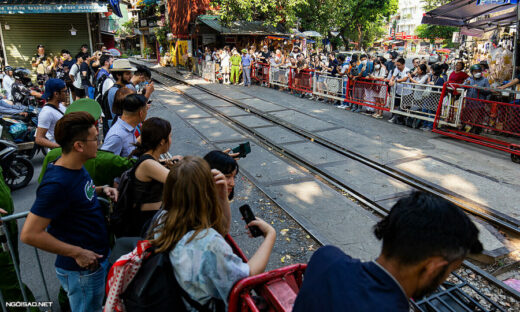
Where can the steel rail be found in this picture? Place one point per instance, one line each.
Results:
(488, 214)
(382, 211)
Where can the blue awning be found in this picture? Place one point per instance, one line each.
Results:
(54, 6)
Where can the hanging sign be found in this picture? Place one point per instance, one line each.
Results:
(93, 7)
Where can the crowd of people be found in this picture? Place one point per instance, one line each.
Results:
(294, 72)
(180, 206)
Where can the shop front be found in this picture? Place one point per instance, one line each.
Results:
(56, 26)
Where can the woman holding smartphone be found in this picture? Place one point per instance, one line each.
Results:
(191, 228)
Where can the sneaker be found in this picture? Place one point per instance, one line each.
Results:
(391, 120)
(426, 129)
(378, 116)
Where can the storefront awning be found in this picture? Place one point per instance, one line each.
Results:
(240, 27)
(52, 6)
(460, 12)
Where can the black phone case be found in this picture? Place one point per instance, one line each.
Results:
(248, 215)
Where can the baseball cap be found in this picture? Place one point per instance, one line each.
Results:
(52, 85)
(85, 105)
(244, 50)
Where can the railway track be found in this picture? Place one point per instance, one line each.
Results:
(452, 291)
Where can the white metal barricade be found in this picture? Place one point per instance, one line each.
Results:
(329, 87)
(421, 101)
(208, 71)
(279, 76)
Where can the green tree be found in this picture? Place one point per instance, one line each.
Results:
(271, 12)
(355, 20)
(433, 32)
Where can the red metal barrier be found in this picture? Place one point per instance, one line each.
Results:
(278, 287)
(368, 92)
(488, 117)
(260, 72)
(301, 80)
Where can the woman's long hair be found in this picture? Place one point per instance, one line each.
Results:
(153, 131)
(191, 203)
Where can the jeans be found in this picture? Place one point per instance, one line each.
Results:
(428, 124)
(85, 289)
(247, 75)
(6, 108)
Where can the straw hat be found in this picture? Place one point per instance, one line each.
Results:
(122, 65)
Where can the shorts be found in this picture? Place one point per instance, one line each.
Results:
(80, 92)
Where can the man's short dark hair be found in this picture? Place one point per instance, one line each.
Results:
(65, 51)
(422, 225)
(134, 102)
(143, 70)
(104, 58)
(71, 128)
(363, 56)
(84, 46)
(415, 59)
(79, 55)
(401, 60)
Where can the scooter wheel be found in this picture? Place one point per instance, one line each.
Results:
(19, 173)
(515, 158)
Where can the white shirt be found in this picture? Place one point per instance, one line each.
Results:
(76, 73)
(398, 74)
(109, 82)
(7, 84)
(48, 118)
(224, 59)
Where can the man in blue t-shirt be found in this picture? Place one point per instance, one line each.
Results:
(424, 239)
(67, 219)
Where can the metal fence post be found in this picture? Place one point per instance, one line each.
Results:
(2, 302)
(13, 257)
(41, 274)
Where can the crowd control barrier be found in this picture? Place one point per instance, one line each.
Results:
(421, 101)
(260, 72)
(279, 76)
(301, 80)
(7, 244)
(208, 71)
(329, 87)
(489, 117)
(368, 92)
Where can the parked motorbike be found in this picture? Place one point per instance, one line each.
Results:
(17, 169)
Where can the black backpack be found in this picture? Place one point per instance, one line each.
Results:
(155, 288)
(124, 205)
(124, 211)
(101, 98)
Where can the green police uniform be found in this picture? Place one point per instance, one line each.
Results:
(9, 285)
(236, 60)
(103, 169)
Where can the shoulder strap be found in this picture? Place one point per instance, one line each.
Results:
(54, 107)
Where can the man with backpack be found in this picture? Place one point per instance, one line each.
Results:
(75, 75)
(67, 218)
(122, 72)
(55, 94)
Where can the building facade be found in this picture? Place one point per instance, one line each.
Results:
(410, 14)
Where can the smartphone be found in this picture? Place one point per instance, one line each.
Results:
(243, 149)
(248, 215)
